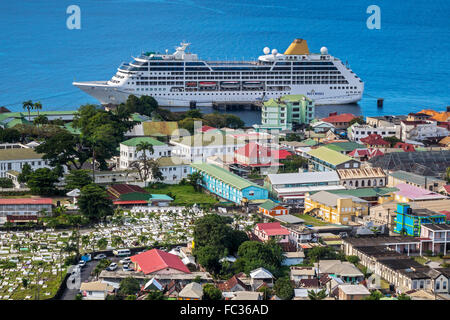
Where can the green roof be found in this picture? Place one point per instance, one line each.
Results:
(156, 196)
(19, 154)
(269, 205)
(135, 196)
(330, 156)
(139, 117)
(135, 141)
(7, 115)
(16, 121)
(344, 146)
(363, 192)
(224, 175)
(310, 142)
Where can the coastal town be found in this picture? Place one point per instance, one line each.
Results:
(136, 202)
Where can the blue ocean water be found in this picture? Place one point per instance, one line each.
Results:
(406, 62)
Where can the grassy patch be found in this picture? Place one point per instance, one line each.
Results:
(311, 220)
(183, 194)
(420, 259)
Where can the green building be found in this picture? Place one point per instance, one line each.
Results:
(282, 113)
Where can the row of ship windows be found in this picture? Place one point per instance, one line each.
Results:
(246, 73)
(221, 93)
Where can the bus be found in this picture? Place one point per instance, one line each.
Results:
(122, 252)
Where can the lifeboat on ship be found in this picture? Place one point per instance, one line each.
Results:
(208, 84)
(191, 84)
(229, 84)
(253, 84)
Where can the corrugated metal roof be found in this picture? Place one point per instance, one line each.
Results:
(19, 154)
(303, 177)
(224, 175)
(135, 141)
(328, 155)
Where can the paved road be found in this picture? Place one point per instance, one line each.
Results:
(85, 276)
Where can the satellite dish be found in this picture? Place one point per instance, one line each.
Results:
(274, 51)
(266, 50)
(323, 50)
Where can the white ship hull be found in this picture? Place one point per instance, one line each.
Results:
(322, 95)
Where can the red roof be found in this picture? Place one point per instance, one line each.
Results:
(154, 260)
(130, 202)
(447, 214)
(374, 140)
(281, 154)
(359, 153)
(407, 147)
(254, 150)
(26, 201)
(206, 129)
(123, 188)
(345, 117)
(447, 188)
(272, 229)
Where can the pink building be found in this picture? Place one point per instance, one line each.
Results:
(272, 230)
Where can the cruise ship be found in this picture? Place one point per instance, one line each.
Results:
(182, 79)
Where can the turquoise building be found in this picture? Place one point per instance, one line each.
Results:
(228, 185)
(410, 221)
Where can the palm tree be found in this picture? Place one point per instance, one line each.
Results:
(313, 295)
(143, 166)
(28, 105)
(37, 106)
(195, 179)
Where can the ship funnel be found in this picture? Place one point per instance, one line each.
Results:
(298, 46)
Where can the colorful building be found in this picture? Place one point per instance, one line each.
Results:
(270, 208)
(409, 221)
(271, 230)
(325, 159)
(282, 113)
(407, 193)
(156, 261)
(228, 185)
(335, 208)
(340, 121)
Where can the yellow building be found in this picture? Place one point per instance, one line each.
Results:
(335, 208)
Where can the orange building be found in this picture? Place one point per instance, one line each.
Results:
(270, 208)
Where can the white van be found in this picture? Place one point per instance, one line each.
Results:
(122, 252)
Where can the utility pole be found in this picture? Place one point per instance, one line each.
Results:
(93, 165)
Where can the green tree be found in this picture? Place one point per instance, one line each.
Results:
(9, 135)
(6, 183)
(129, 286)
(188, 124)
(40, 120)
(317, 295)
(254, 254)
(94, 202)
(25, 174)
(374, 295)
(233, 121)
(283, 288)
(392, 140)
(293, 163)
(208, 256)
(28, 105)
(194, 113)
(195, 180)
(64, 148)
(42, 181)
(102, 243)
(144, 165)
(145, 105)
(358, 120)
(155, 295)
(403, 297)
(352, 259)
(25, 282)
(211, 292)
(116, 241)
(77, 179)
(37, 106)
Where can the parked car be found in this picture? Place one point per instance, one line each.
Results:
(100, 256)
(125, 261)
(127, 267)
(82, 263)
(112, 267)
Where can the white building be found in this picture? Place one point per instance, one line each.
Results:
(128, 153)
(173, 169)
(358, 131)
(95, 290)
(14, 159)
(199, 147)
(23, 209)
(294, 186)
(421, 130)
